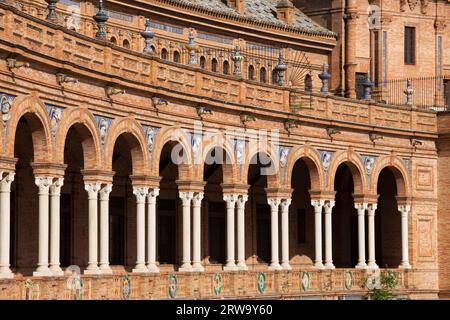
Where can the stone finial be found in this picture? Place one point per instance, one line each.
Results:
(367, 88)
(52, 16)
(148, 35)
(324, 76)
(281, 68)
(237, 58)
(101, 18)
(409, 93)
(238, 5)
(192, 48)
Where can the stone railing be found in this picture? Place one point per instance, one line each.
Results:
(315, 284)
(36, 39)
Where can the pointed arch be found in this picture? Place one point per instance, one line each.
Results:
(311, 158)
(86, 126)
(398, 168)
(356, 166)
(135, 137)
(35, 112)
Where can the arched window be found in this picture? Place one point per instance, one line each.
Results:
(251, 72)
(202, 62)
(214, 65)
(263, 75)
(308, 83)
(164, 54)
(153, 49)
(113, 40)
(176, 57)
(126, 44)
(274, 77)
(226, 67)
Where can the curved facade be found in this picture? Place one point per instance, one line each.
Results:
(193, 165)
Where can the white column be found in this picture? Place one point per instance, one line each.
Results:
(43, 184)
(318, 205)
(186, 198)
(55, 196)
(361, 209)
(196, 254)
(241, 265)
(141, 194)
(92, 190)
(371, 235)
(104, 228)
(231, 200)
(328, 235)
(404, 210)
(151, 225)
(285, 234)
(274, 209)
(5, 223)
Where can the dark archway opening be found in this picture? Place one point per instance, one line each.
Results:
(388, 251)
(345, 223)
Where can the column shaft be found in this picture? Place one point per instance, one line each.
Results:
(92, 190)
(328, 235)
(141, 194)
(285, 234)
(274, 209)
(5, 224)
(371, 235)
(104, 229)
(404, 210)
(318, 205)
(44, 184)
(241, 265)
(196, 255)
(361, 207)
(186, 197)
(55, 196)
(151, 224)
(231, 204)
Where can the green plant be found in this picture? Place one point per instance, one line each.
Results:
(383, 291)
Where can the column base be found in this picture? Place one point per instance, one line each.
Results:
(286, 266)
(105, 269)
(372, 266)
(43, 273)
(152, 268)
(197, 267)
(275, 266)
(140, 268)
(6, 274)
(230, 267)
(186, 267)
(242, 266)
(330, 265)
(405, 265)
(318, 265)
(361, 265)
(92, 272)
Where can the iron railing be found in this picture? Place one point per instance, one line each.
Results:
(429, 93)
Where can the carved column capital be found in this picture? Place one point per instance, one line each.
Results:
(105, 191)
(55, 188)
(43, 184)
(329, 205)
(92, 189)
(274, 203)
(6, 179)
(242, 199)
(140, 193)
(197, 199)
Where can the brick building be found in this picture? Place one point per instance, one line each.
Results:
(223, 149)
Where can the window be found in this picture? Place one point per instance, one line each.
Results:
(164, 54)
(126, 44)
(274, 77)
(202, 62)
(176, 57)
(301, 226)
(262, 75)
(308, 83)
(226, 67)
(214, 65)
(410, 45)
(113, 40)
(251, 73)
